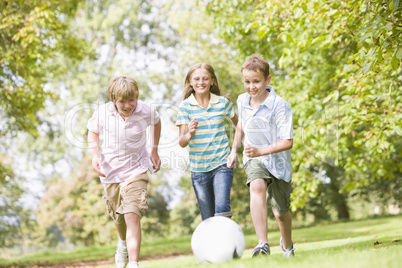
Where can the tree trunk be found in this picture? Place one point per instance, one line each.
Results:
(338, 198)
(342, 208)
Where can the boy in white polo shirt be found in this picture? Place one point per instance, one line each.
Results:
(124, 161)
(265, 121)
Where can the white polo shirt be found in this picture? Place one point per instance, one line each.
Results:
(123, 152)
(268, 124)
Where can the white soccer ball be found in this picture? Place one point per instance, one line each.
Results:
(217, 239)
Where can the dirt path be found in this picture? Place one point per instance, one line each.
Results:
(103, 263)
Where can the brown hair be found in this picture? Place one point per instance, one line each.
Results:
(122, 87)
(256, 63)
(188, 89)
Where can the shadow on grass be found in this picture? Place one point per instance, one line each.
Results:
(366, 244)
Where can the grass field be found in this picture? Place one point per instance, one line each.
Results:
(344, 244)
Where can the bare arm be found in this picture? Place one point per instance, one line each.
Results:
(155, 134)
(93, 140)
(236, 142)
(235, 120)
(282, 145)
(187, 132)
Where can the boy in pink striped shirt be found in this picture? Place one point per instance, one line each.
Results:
(122, 161)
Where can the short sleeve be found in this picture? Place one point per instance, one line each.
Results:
(229, 111)
(154, 116)
(240, 108)
(93, 123)
(284, 121)
(182, 115)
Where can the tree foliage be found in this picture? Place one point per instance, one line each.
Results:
(125, 35)
(338, 65)
(15, 218)
(32, 32)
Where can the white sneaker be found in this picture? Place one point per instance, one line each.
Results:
(287, 253)
(133, 265)
(121, 257)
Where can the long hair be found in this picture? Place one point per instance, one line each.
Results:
(188, 89)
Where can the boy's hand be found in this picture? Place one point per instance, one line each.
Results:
(252, 151)
(192, 127)
(96, 166)
(232, 160)
(156, 162)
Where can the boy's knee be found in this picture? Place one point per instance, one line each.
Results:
(132, 217)
(258, 186)
(281, 217)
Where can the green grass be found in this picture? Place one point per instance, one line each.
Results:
(343, 244)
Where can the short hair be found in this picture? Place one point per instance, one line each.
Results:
(256, 63)
(122, 87)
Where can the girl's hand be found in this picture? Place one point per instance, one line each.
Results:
(252, 151)
(232, 160)
(96, 166)
(192, 127)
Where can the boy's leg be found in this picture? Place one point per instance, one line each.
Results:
(121, 229)
(279, 199)
(258, 208)
(134, 203)
(285, 226)
(112, 198)
(133, 236)
(258, 179)
(223, 178)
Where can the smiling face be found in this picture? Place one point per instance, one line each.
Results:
(255, 84)
(125, 107)
(201, 81)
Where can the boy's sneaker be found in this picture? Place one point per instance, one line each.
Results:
(261, 249)
(287, 253)
(121, 257)
(133, 264)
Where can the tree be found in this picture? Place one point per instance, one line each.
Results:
(32, 34)
(346, 109)
(126, 37)
(14, 217)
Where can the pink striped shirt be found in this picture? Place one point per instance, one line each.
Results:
(123, 152)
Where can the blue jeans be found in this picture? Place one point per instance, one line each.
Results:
(212, 190)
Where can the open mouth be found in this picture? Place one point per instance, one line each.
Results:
(126, 110)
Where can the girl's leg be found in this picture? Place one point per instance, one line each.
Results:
(222, 180)
(133, 236)
(258, 208)
(203, 188)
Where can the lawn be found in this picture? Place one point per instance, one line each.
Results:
(343, 244)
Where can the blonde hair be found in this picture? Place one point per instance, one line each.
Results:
(188, 89)
(256, 63)
(122, 87)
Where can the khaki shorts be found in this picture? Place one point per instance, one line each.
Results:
(128, 196)
(278, 191)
